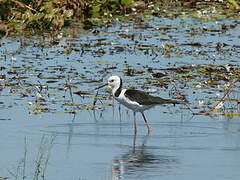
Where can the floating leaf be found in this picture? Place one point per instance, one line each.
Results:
(102, 61)
(40, 110)
(67, 51)
(230, 114)
(82, 93)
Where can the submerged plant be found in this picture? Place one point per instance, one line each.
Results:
(41, 162)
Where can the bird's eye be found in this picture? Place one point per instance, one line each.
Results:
(111, 80)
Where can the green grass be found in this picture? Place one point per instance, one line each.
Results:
(52, 15)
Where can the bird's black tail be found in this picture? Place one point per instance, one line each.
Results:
(170, 101)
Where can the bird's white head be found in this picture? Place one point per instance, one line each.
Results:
(115, 82)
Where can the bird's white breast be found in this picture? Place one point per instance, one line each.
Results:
(130, 104)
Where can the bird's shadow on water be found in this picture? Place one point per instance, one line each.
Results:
(140, 161)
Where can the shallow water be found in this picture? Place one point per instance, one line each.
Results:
(99, 144)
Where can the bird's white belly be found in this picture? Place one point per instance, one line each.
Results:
(132, 105)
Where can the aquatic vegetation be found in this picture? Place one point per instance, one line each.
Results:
(41, 162)
(52, 74)
(48, 79)
(53, 15)
(57, 88)
(40, 15)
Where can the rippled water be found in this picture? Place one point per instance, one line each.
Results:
(36, 101)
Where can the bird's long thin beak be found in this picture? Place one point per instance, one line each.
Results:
(101, 86)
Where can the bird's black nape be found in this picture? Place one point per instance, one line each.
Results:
(118, 91)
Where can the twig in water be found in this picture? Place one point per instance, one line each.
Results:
(220, 102)
(21, 167)
(182, 96)
(43, 157)
(50, 145)
(95, 99)
(24, 159)
(68, 86)
(70, 90)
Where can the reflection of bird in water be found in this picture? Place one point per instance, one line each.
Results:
(137, 101)
(136, 163)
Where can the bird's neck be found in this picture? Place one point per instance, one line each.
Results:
(116, 91)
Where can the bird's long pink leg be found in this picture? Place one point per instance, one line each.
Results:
(134, 143)
(135, 123)
(148, 126)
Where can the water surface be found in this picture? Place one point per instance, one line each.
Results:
(39, 77)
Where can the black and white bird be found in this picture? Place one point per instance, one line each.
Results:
(137, 101)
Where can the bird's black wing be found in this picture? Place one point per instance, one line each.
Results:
(146, 99)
